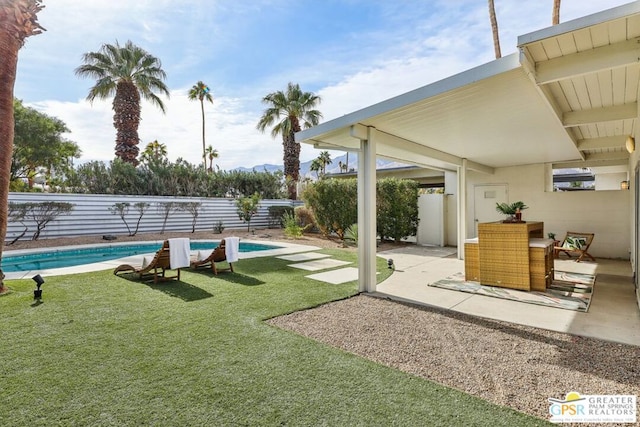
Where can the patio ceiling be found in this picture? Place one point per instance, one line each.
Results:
(588, 71)
(569, 95)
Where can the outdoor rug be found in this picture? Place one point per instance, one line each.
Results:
(569, 291)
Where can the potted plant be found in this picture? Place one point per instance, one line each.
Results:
(513, 210)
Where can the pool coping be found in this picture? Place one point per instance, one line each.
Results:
(285, 248)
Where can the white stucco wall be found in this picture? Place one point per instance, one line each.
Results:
(610, 181)
(605, 213)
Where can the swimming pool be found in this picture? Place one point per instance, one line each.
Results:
(57, 258)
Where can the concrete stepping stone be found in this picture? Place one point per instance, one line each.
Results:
(320, 264)
(336, 277)
(307, 256)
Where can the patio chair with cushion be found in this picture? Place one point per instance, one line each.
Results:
(576, 243)
(224, 252)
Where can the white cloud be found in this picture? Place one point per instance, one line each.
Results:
(427, 45)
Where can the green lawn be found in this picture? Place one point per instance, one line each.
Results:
(104, 350)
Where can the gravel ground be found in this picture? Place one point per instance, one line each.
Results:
(507, 364)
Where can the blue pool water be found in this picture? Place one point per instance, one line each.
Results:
(72, 257)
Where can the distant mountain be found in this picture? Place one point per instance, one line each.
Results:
(333, 167)
(261, 168)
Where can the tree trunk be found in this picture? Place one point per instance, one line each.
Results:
(204, 155)
(126, 119)
(291, 164)
(555, 19)
(494, 29)
(9, 46)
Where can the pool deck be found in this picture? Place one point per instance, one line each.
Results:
(285, 248)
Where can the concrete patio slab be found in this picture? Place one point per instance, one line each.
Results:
(612, 316)
(321, 264)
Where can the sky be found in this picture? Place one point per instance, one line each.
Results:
(352, 53)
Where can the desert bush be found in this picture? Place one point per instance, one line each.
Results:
(291, 227)
(306, 219)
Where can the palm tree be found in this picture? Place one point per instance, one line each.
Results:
(325, 159)
(494, 29)
(18, 20)
(126, 73)
(212, 154)
(201, 91)
(286, 110)
(555, 19)
(154, 150)
(316, 166)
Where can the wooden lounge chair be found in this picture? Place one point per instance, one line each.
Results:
(219, 254)
(576, 243)
(156, 269)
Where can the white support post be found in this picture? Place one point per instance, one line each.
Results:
(367, 213)
(462, 207)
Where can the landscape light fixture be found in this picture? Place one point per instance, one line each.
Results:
(37, 294)
(630, 144)
(390, 264)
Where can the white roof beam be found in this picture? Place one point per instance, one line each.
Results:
(599, 115)
(589, 164)
(614, 155)
(588, 61)
(343, 146)
(601, 143)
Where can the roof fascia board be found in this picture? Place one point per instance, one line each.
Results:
(579, 23)
(465, 78)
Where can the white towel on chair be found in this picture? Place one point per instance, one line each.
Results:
(231, 248)
(179, 253)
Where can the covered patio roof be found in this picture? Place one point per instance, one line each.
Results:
(569, 95)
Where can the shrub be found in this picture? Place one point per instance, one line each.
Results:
(218, 227)
(291, 227)
(160, 177)
(306, 219)
(276, 215)
(41, 213)
(351, 235)
(334, 203)
(397, 208)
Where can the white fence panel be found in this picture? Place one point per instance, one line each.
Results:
(91, 216)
